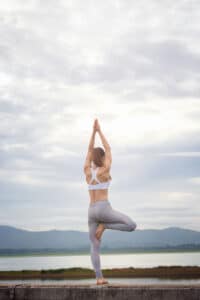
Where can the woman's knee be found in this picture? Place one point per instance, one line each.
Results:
(94, 241)
(132, 226)
(92, 230)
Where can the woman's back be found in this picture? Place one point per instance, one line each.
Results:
(98, 174)
(98, 180)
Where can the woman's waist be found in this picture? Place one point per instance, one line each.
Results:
(99, 202)
(98, 194)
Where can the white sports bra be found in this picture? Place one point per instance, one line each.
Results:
(99, 185)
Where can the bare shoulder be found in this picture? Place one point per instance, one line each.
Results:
(104, 169)
(104, 173)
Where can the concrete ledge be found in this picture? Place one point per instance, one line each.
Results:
(108, 292)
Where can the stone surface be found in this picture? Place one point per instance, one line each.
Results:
(108, 292)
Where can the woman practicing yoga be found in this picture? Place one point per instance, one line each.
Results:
(101, 215)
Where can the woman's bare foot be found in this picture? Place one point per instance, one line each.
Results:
(99, 231)
(101, 281)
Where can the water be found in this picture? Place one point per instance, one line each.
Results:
(136, 260)
(131, 281)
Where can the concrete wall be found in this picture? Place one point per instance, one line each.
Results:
(90, 292)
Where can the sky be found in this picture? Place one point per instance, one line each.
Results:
(134, 65)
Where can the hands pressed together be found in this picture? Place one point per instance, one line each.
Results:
(96, 126)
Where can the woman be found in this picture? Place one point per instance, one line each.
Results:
(101, 215)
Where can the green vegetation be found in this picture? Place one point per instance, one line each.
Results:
(171, 272)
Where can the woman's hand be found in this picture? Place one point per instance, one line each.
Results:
(96, 125)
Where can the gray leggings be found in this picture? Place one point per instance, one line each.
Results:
(101, 211)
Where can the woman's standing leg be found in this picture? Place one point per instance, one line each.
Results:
(95, 248)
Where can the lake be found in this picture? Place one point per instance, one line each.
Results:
(136, 260)
(131, 281)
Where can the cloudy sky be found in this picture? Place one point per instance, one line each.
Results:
(135, 66)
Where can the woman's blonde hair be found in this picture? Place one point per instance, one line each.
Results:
(98, 154)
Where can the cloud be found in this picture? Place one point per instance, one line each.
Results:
(135, 66)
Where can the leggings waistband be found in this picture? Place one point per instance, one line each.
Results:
(99, 202)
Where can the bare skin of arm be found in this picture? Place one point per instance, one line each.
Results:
(108, 156)
(90, 148)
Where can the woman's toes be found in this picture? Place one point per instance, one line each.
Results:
(98, 234)
(102, 281)
(99, 231)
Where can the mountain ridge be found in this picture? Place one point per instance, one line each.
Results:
(16, 238)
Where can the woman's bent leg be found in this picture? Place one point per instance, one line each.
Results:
(95, 249)
(113, 219)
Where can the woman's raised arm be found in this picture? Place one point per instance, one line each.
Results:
(90, 148)
(108, 156)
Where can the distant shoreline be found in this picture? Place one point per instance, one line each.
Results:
(53, 252)
(165, 272)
